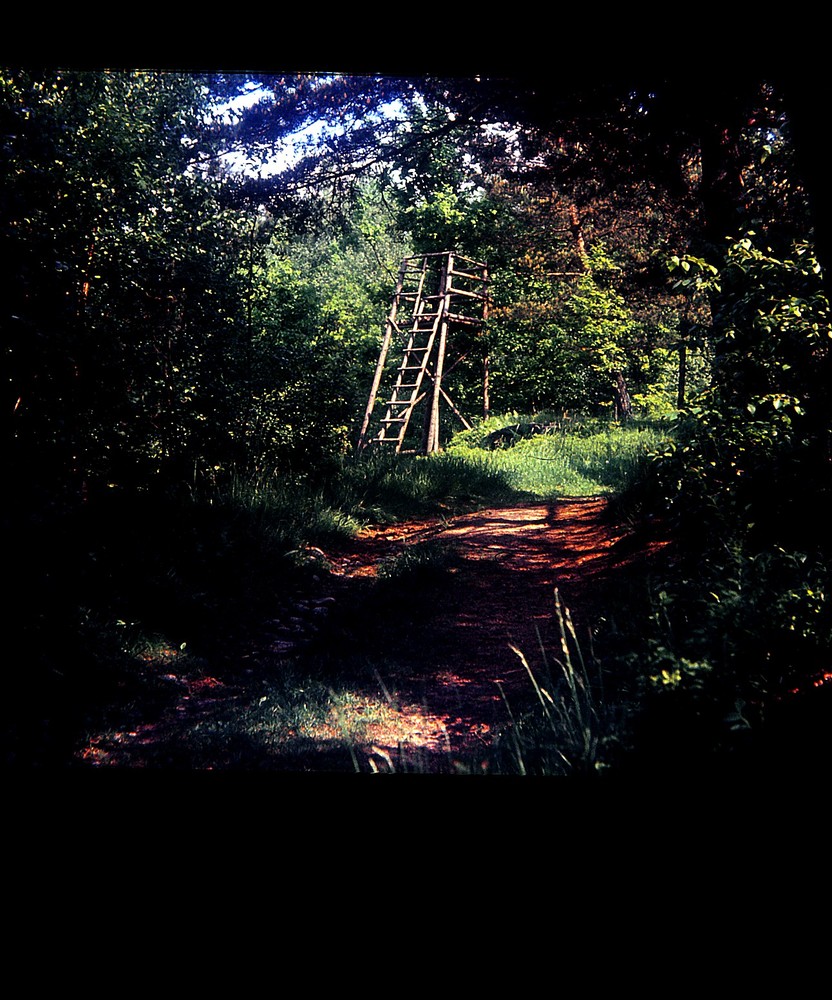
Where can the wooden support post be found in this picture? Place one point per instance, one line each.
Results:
(486, 361)
(431, 439)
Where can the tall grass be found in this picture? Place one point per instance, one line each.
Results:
(384, 488)
(567, 458)
(576, 458)
(574, 726)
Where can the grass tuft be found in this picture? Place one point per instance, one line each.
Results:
(573, 727)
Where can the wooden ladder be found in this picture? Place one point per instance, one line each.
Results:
(426, 294)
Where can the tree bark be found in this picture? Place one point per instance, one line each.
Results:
(683, 356)
(623, 403)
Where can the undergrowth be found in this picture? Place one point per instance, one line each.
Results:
(132, 588)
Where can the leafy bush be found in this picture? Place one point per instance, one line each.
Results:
(741, 615)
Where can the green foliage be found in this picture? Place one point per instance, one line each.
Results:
(558, 344)
(463, 220)
(316, 324)
(418, 565)
(743, 614)
(382, 488)
(122, 308)
(713, 649)
(748, 454)
(186, 369)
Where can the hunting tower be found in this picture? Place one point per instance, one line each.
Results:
(436, 295)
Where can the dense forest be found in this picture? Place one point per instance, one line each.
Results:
(199, 267)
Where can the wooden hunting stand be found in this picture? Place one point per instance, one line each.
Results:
(435, 295)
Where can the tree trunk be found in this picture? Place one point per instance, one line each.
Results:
(683, 358)
(577, 232)
(623, 403)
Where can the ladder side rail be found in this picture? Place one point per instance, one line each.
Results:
(486, 359)
(418, 315)
(389, 326)
(418, 303)
(407, 267)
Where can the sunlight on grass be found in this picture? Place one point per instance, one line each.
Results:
(295, 722)
(580, 459)
(496, 462)
(569, 731)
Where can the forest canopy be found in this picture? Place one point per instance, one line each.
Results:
(187, 248)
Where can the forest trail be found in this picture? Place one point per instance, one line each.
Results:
(443, 642)
(462, 641)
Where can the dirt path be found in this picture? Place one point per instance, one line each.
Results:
(464, 672)
(447, 674)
